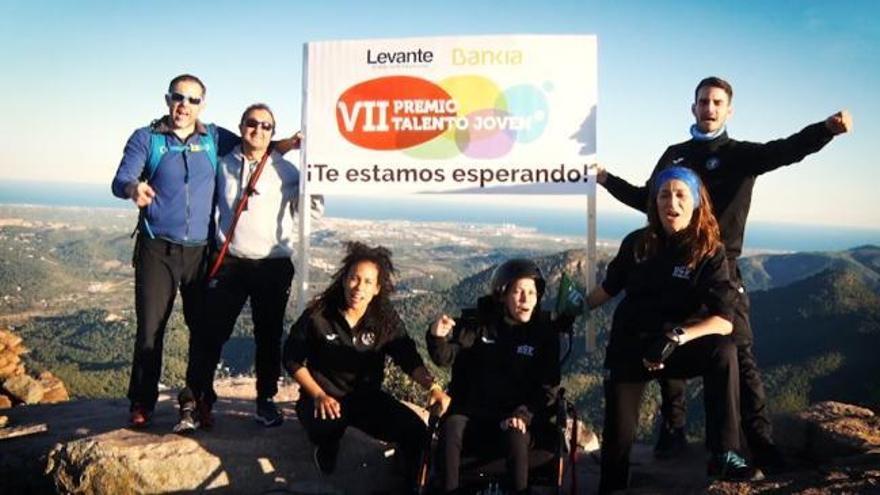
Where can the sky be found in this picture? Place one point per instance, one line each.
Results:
(79, 77)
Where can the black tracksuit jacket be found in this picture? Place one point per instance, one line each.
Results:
(343, 360)
(728, 168)
(497, 367)
(661, 292)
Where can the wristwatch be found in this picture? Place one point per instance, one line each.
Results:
(677, 333)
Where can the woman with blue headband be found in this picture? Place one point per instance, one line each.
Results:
(673, 322)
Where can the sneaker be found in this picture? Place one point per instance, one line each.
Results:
(188, 419)
(205, 415)
(671, 443)
(730, 466)
(325, 458)
(139, 416)
(268, 413)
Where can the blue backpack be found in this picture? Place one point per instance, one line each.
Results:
(159, 146)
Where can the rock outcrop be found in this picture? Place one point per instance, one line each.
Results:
(17, 386)
(84, 447)
(832, 448)
(11, 349)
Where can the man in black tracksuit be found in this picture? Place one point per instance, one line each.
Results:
(729, 168)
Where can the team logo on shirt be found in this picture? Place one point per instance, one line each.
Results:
(682, 272)
(525, 350)
(367, 338)
(712, 163)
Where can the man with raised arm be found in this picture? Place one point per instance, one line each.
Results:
(729, 169)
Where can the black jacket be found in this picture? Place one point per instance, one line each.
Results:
(498, 367)
(343, 360)
(728, 168)
(661, 292)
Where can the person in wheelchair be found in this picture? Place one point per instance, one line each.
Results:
(674, 322)
(505, 375)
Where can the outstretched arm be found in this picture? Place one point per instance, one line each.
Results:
(597, 297)
(127, 180)
(289, 144)
(763, 158)
(839, 123)
(628, 194)
(226, 140)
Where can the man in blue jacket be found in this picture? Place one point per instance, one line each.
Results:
(168, 171)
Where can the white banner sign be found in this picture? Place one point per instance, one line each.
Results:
(476, 114)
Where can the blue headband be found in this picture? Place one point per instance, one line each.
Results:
(683, 174)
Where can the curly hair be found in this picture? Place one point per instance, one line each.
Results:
(700, 239)
(380, 316)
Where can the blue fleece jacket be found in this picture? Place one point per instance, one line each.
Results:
(183, 182)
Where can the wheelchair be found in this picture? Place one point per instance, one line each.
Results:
(483, 470)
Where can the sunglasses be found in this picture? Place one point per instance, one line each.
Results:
(180, 98)
(264, 125)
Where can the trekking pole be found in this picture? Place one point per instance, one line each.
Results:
(560, 426)
(425, 467)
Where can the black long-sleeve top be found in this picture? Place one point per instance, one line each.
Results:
(728, 168)
(343, 359)
(498, 367)
(662, 291)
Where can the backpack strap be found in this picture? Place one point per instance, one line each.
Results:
(159, 146)
(210, 144)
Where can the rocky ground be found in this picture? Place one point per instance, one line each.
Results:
(84, 447)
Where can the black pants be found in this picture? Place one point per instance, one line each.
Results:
(753, 399)
(160, 269)
(714, 358)
(461, 433)
(376, 413)
(267, 283)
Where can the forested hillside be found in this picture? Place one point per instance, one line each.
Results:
(68, 289)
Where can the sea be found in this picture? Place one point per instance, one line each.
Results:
(761, 236)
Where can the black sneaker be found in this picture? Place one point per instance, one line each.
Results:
(730, 466)
(325, 458)
(188, 419)
(268, 413)
(671, 443)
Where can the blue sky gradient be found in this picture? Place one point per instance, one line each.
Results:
(78, 77)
